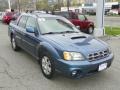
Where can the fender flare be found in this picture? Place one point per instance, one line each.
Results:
(46, 47)
(92, 25)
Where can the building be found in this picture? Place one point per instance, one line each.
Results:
(93, 1)
(112, 0)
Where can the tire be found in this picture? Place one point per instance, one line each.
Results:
(47, 66)
(13, 44)
(90, 30)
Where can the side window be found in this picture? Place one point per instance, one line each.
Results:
(31, 22)
(74, 16)
(81, 17)
(22, 21)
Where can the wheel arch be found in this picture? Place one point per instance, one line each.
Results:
(47, 48)
(91, 25)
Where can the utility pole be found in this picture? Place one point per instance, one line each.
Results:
(99, 31)
(9, 4)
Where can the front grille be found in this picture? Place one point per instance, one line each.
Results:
(98, 55)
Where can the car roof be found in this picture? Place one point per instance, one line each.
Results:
(38, 15)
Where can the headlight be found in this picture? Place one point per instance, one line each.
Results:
(72, 56)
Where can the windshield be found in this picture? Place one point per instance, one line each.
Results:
(53, 25)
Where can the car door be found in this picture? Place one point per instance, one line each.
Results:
(74, 19)
(31, 40)
(83, 22)
(19, 30)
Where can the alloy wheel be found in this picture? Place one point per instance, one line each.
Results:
(46, 65)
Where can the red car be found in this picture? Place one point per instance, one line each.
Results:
(78, 20)
(8, 17)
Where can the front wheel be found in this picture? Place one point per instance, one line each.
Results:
(90, 30)
(47, 66)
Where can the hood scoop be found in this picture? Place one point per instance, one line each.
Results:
(86, 41)
(78, 37)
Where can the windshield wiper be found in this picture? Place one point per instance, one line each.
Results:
(60, 32)
(49, 33)
(69, 32)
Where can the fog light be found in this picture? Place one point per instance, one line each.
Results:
(74, 73)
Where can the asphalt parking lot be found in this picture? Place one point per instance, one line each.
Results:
(20, 71)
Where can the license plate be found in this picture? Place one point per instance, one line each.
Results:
(102, 67)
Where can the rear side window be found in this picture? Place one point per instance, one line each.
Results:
(22, 21)
(65, 14)
(73, 15)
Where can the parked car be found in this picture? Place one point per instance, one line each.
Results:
(78, 20)
(59, 46)
(1, 15)
(8, 17)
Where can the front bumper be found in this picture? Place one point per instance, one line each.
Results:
(81, 68)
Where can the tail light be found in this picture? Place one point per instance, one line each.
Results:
(6, 17)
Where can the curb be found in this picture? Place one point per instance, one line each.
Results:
(106, 38)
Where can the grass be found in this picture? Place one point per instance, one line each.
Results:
(114, 15)
(112, 31)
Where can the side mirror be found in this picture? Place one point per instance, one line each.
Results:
(86, 18)
(78, 27)
(30, 30)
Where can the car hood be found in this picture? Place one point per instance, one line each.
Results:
(76, 42)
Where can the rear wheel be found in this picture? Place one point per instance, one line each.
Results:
(13, 44)
(47, 66)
